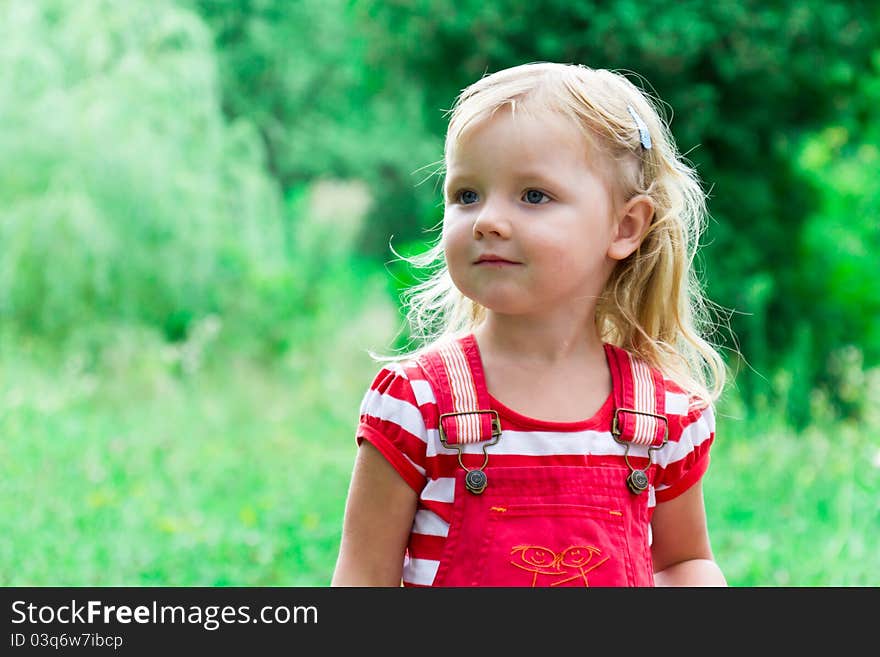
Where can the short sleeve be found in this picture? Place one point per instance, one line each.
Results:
(392, 420)
(683, 461)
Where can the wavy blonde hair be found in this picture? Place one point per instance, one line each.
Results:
(652, 304)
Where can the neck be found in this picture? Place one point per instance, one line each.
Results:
(541, 343)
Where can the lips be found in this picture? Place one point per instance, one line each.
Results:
(492, 259)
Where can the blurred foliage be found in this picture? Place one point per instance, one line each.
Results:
(298, 71)
(126, 195)
(132, 462)
(839, 244)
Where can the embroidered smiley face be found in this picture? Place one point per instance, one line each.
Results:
(574, 562)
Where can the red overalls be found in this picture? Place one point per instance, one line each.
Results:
(551, 525)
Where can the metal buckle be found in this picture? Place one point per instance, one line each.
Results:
(496, 426)
(637, 481)
(475, 480)
(615, 427)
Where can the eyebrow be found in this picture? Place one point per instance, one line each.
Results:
(527, 174)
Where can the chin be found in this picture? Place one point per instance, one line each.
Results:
(503, 299)
(502, 306)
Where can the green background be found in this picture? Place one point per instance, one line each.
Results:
(198, 201)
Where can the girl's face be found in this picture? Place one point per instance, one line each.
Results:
(528, 219)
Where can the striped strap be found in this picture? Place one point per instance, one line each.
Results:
(460, 388)
(639, 399)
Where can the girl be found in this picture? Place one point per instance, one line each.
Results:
(554, 429)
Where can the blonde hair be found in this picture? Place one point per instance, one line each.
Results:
(652, 304)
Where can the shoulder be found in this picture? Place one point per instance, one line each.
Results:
(683, 408)
(400, 393)
(685, 458)
(689, 416)
(413, 378)
(402, 380)
(396, 416)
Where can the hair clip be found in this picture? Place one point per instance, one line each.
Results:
(644, 135)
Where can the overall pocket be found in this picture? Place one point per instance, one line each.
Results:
(554, 545)
(531, 528)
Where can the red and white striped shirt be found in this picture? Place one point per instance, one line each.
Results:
(399, 416)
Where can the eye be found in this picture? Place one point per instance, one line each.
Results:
(535, 197)
(466, 196)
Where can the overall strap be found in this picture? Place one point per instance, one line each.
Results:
(639, 400)
(456, 374)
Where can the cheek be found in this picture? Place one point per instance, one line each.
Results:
(555, 252)
(455, 235)
(576, 257)
(455, 252)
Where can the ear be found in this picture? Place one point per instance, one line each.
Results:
(632, 223)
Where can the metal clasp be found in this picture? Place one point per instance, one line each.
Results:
(615, 427)
(638, 479)
(475, 483)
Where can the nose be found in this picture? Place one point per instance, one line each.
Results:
(492, 220)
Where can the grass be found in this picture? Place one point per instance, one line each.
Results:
(126, 467)
(796, 509)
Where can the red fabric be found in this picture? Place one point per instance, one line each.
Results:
(454, 369)
(558, 526)
(553, 526)
(394, 457)
(644, 393)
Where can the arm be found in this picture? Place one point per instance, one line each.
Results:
(378, 518)
(680, 547)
